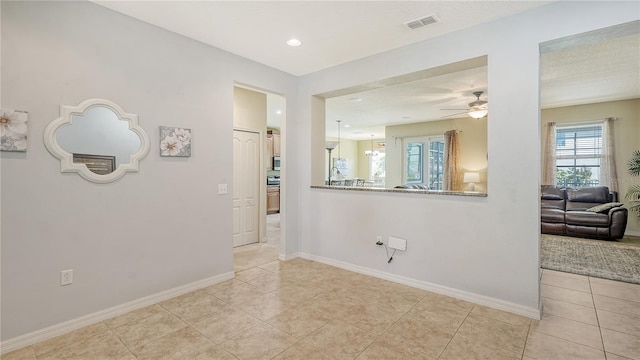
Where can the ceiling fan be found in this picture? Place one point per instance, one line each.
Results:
(477, 109)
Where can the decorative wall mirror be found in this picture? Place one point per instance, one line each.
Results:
(96, 139)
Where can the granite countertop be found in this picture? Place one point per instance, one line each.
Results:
(403, 191)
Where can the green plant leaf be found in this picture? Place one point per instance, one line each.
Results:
(634, 163)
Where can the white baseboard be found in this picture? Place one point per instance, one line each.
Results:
(68, 326)
(534, 313)
(287, 257)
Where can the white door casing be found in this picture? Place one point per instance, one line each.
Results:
(246, 187)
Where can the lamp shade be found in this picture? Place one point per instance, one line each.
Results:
(330, 145)
(471, 177)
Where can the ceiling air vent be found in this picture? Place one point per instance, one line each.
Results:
(422, 21)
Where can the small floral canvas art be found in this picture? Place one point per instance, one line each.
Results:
(13, 130)
(175, 141)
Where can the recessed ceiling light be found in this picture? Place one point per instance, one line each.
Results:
(355, 99)
(279, 112)
(347, 125)
(294, 42)
(406, 117)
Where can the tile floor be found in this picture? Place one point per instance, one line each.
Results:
(306, 310)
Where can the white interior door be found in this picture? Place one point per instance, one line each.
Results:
(246, 187)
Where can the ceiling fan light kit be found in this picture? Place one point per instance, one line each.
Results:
(477, 108)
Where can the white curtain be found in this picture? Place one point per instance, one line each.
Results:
(608, 174)
(451, 161)
(549, 161)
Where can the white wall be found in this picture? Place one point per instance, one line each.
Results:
(485, 249)
(147, 232)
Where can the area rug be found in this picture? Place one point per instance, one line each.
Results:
(597, 258)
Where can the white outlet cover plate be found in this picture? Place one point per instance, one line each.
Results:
(397, 243)
(66, 277)
(222, 189)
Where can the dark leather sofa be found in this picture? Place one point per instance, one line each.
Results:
(564, 212)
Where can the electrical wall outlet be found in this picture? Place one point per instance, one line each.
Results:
(222, 189)
(66, 277)
(397, 243)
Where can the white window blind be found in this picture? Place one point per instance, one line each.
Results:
(578, 153)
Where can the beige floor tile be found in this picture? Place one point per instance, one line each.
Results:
(621, 344)
(259, 342)
(382, 349)
(465, 348)
(570, 330)
(239, 294)
(565, 274)
(223, 285)
(614, 291)
(503, 316)
(185, 343)
(297, 292)
(273, 266)
(374, 317)
(328, 305)
(495, 333)
(613, 282)
(225, 325)
(103, 346)
(250, 274)
(566, 282)
(270, 282)
(26, 353)
(624, 323)
(566, 295)
(585, 314)
(195, 306)
(215, 353)
(148, 329)
(611, 356)
(340, 340)
(267, 306)
(545, 347)
(616, 305)
(441, 311)
(71, 338)
(134, 316)
(303, 351)
(299, 322)
(419, 336)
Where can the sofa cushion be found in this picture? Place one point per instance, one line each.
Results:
(597, 194)
(604, 208)
(552, 215)
(552, 192)
(587, 218)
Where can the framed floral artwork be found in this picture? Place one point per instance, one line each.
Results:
(175, 141)
(13, 130)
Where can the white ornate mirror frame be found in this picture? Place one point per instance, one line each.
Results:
(66, 158)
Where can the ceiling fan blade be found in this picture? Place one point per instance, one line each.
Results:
(446, 116)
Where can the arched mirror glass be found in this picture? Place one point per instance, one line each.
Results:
(97, 139)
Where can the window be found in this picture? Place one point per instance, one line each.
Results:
(424, 161)
(377, 169)
(578, 152)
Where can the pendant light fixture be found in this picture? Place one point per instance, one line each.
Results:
(371, 152)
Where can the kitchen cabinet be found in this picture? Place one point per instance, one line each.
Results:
(269, 154)
(274, 135)
(273, 199)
